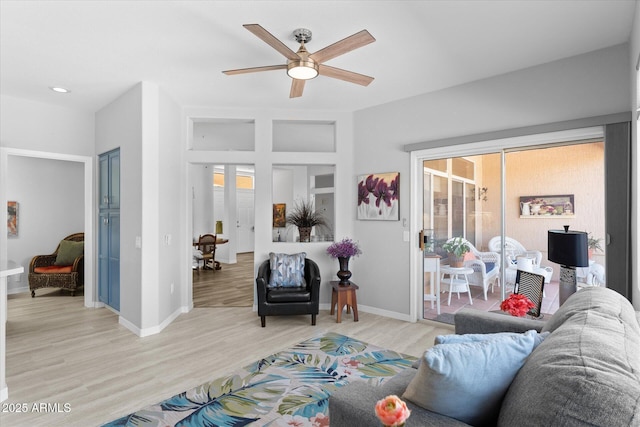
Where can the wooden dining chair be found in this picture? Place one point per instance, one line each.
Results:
(207, 245)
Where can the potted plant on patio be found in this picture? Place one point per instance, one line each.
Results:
(305, 217)
(456, 248)
(593, 244)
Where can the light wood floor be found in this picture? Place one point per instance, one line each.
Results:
(59, 352)
(231, 286)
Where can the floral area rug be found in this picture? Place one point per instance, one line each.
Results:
(289, 388)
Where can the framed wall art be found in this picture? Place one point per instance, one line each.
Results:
(379, 196)
(562, 206)
(12, 219)
(279, 215)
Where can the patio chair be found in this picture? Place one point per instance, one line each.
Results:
(512, 248)
(486, 267)
(594, 275)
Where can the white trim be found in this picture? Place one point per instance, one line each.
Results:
(90, 293)
(373, 310)
(145, 332)
(469, 149)
(497, 145)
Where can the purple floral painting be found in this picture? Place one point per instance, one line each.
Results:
(379, 196)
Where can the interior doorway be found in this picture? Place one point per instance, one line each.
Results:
(223, 205)
(9, 155)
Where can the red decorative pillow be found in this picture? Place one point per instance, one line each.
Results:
(51, 269)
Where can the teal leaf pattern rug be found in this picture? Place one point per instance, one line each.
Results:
(289, 388)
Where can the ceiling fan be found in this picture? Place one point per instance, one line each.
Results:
(302, 66)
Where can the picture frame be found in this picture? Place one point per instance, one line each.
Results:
(279, 215)
(12, 218)
(379, 196)
(548, 206)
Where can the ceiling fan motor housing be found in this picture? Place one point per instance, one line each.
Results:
(302, 35)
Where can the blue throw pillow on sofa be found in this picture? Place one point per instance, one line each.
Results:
(467, 380)
(454, 339)
(287, 271)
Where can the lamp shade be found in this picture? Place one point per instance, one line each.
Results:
(568, 248)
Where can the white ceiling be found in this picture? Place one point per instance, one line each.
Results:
(100, 49)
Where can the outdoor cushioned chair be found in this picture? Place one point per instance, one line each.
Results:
(513, 248)
(486, 268)
(62, 269)
(288, 284)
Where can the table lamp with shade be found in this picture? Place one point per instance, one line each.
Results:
(569, 249)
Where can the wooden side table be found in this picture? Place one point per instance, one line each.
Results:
(344, 295)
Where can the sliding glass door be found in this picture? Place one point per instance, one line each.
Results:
(532, 190)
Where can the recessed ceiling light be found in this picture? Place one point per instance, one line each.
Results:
(59, 89)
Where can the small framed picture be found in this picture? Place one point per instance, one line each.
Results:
(12, 219)
(279, 215)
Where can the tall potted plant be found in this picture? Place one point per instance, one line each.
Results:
(456, 248)
(305, 217)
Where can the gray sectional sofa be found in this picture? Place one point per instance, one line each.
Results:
(586, 372)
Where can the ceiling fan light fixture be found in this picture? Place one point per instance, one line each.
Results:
(302, 70)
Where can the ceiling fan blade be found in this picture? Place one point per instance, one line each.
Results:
(347, 76)
(254, 69)
(343, 46)
(297, 86)
(271, 40)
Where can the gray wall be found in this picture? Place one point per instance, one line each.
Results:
(119, 124)
(587, 85)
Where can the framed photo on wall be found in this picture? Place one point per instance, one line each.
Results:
(559, 205)
(379, 196)
(12, 219)
(279, 215)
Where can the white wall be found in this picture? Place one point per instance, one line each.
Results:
(592, 84)
(49, 130)
(171, 179)
(50, 196)
(37, 126)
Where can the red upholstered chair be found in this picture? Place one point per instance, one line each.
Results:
(62, 269)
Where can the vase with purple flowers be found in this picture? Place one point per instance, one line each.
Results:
(344, 250)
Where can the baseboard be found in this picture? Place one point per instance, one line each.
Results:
(376, 311)
(16, 290)
(145, 332)
(4, 393)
